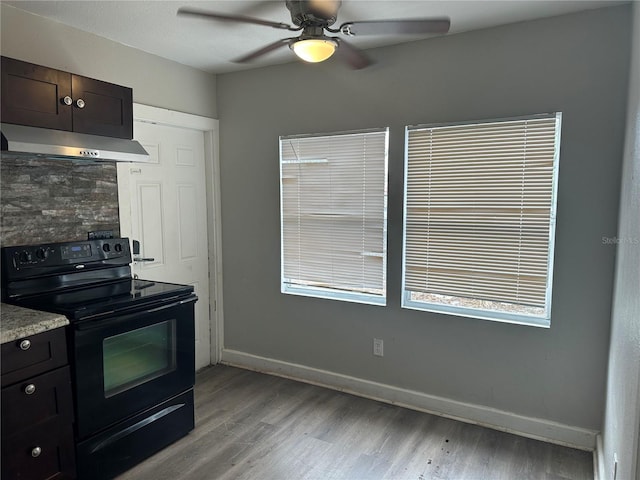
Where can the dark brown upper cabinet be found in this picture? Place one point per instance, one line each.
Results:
(43, 97)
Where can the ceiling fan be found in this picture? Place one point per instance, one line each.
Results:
(314, 18)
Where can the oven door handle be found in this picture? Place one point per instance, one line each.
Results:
(164, 307)
(114, 318)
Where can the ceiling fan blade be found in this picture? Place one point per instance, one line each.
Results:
(355, 57)
(258, 8)
(397, 27)
(264, 50)
(223, 17)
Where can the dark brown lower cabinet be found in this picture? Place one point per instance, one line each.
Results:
(45, 451)
(37, 409)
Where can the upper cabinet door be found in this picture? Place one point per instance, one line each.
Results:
(35, 95)
(101, 108)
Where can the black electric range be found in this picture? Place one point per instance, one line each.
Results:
(131, 347)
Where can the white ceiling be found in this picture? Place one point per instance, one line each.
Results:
(152, 26)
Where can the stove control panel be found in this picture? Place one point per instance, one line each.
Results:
(81, 250)
(75, 255)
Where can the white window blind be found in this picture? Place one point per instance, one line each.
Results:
(334, 215)
(480, 218)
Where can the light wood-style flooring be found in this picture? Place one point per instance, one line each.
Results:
(253, 426)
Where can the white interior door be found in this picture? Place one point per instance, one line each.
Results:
(167, 202)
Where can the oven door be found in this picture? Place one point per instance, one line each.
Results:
(124, 364)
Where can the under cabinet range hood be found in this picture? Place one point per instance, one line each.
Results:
(18, 140)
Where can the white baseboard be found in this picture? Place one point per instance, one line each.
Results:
(530, 427)
(598, 460)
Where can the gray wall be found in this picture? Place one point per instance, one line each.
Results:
(155, 81)
(576, 64)
(622, 417)
(56, 200)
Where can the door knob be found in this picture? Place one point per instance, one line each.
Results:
(80, 103)
(36, 451)
(30, 389)
(67, 100)
(25, 344)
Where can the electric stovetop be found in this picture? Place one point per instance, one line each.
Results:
(113, 298)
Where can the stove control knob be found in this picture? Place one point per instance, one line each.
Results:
(41, 253)
(26, 256)
(106, 247)
(118, 247)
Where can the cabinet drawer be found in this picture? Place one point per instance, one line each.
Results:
(46, 351)
(55, 459)
(49, 398)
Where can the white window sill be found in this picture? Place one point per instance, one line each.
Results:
(479, 314)
(328, 294)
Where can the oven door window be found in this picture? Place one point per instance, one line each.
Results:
(138, 356)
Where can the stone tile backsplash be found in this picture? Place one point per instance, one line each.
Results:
(56, 200)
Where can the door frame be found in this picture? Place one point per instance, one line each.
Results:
(210, 128)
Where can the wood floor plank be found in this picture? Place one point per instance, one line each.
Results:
(252, 426)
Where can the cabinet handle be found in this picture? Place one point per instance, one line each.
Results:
(30, 389)
(36, 451)
(25, 344)
(80, 103)
(67, 100)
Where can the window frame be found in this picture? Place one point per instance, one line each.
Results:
(330, 293)
(479, 313)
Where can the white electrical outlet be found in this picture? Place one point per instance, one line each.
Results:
(378, 347)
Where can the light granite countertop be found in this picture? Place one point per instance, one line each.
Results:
(18, 322)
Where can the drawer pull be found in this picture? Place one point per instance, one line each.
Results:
(25, 344)
(36, 451)
(30, 389)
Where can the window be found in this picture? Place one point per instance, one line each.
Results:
(480, 218)
(333, 209)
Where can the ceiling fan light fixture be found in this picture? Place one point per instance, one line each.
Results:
(314, 50)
